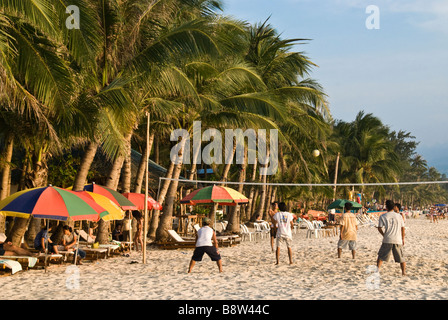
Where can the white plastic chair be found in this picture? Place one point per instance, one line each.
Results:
(246, 233)
(311, 230)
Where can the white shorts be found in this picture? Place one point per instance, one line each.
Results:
(284, 239)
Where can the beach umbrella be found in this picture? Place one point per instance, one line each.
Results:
(115, 212)
(340, 203)
(139, 200)
(215, 195)
(113, 195)
(51, 203)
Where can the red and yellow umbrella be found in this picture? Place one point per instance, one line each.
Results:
(215, 195)
(113, 195)
(139, 200)
(52, 203)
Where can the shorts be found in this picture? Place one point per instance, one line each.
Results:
(211, 251)
(342, 244)
(284, 239)
(2, 250)
(273, 232)
(387, 248)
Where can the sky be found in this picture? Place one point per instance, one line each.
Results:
(398, 72)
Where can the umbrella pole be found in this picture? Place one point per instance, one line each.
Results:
(46, 248)
(145, 227)
(76, 248)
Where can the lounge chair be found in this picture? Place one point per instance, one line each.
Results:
(25, 261)
(176, 242)
(123, 245)
(11, 265)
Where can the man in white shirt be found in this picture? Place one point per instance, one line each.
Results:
(284, 222)
(206, 242)
(393, 236)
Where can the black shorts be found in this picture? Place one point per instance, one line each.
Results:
(211, 251)
(2, 250)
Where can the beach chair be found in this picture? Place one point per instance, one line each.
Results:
(245, 233)
(9, 267)
(25, 261)
(176, 242)
(312, 232)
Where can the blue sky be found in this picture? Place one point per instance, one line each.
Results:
(398, 72)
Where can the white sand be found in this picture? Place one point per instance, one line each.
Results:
(250, 273)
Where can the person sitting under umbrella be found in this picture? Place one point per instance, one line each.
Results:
(69, 241)
(42, 237)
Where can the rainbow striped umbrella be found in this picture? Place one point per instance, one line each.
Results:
(113, 195)
(115, 212)
(52, 203)
(215, 195)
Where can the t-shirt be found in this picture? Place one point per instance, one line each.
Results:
(348, 232)
(205, 235)
(69, 238)
(392, 222)
(38, 240)
(283, 220)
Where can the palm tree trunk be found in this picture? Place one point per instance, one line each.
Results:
(36, 178)
(4, 188)
(127, 173)
(229, 162)
(86, 163)
(161, 198)
(112, 183)
(166, 220)
(143, 165)
(233, 225)
(252, 192)
(5, 178)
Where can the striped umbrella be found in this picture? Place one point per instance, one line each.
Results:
(115, 212)
(52, 203)
(139, 200)
(113, 195)
(215, 195)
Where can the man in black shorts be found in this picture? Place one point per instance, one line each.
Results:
(206, 243)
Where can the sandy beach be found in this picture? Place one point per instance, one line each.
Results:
(250, 273)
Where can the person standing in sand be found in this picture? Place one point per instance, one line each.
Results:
(206, 242)
(348, 231)
(284, 222)
(393, 237)
(272, 211)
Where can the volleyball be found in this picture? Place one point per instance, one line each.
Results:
(316, 153)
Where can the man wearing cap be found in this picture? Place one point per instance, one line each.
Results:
(206, 243)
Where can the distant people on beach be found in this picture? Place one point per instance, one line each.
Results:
(284, 222)
(138, 236)
(393, 236)
(117, 234)
(206, 243)
(348, 231)
(273, 230)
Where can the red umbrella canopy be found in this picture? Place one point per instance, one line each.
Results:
(215, 194)
(139, 200)
(113, 195)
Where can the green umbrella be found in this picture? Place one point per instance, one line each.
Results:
(340, 203)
